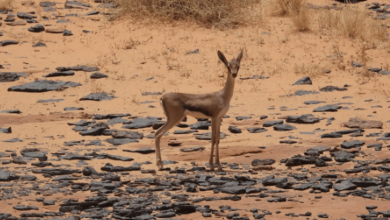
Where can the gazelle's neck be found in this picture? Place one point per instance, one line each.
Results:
(228, 89)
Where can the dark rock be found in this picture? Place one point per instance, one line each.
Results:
(8, 76)
(37, 28)
(110, 116)
(6, 176)
(272, 123)
(97, 97)
(47, 4)
(303, 81)
(240, 118)
(304, 92)
(264, 162)
(322, 216)
(78, 68)
(25, 16)
(121, 141)
(96, 129)
(67, 33)
(327, 108)
(88, 171)
(25, 208)
(256, 130)
(207, 136)
(352, 144)
(146, 150)
(39, 44)
(332, 88)
(300, 160)
(55, 74)
(6, 130)
(303, 186)
(302, 119)
(140, 123)
(342, 156)
(287, 142)
(201, 125)
(331, 135)
(56, 171)
(13, 140)
(49, 100)
(192, 149)
(43, 86)
(313, 102)
(234, 190)
(234, 130)
(98, 76)
(284, 127)
(110, 168)
(354, 64)
(73, 109)
(362, 124)
(73, 156)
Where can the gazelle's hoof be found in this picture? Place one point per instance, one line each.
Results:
(160, 165)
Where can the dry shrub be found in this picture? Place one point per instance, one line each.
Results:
(301, 20)
(210, 13)
(5, 5)
(286, 7)
(353, 24)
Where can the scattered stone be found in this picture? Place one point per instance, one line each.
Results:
(55, 31)
(332, 88)
(8, 42)
(9, 76)
(97, 97)
(192, 149)
(304, 92)
(49, 100)
(264, 162)
(303, 119)
(78, 68)
(146, 150)
(352, 144)
(67, 33)
(39, 44)
(256, 130)
(13, 111)
(98, 76)
(303, 81)
(110, 168)
(37, 28)
(140, 123)
(284, 127)
(43, 86)
(234, 129)
(73, 108)
(55, 74)
(207, 136)
(362, 124)
(327, 108)
(313, 102)
(272, 123)
(121, 141)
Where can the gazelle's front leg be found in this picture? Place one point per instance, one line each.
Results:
(217, 136)
(213, 131)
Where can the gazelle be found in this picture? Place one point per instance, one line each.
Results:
(211, 105)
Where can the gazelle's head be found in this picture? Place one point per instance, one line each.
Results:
(234, 65)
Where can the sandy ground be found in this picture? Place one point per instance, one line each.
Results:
(271, 49)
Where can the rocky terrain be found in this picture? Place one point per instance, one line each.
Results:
(306, 136)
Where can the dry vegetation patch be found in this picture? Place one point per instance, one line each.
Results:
(353, 24)
(5, 5)
(210, 13)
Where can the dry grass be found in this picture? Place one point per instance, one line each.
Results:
(286, 7)
(301, 20)
(5, 5)
(353, 24)
(209, 13)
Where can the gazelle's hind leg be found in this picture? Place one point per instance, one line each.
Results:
(213, 131)
(173, 118)
(217, 136)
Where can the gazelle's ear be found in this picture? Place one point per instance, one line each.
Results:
(239, 57)
(222, 58)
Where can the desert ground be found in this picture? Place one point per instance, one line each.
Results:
(306, 134)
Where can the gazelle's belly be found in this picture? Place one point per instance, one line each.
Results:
(196, 114)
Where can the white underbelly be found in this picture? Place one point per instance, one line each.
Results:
(196, 114)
